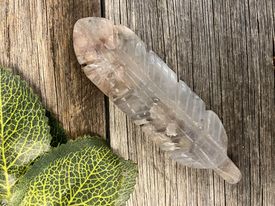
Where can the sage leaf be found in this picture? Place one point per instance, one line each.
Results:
(24, 133)
(81, 172)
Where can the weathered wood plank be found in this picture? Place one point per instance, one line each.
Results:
(223, 50)
(36, 41)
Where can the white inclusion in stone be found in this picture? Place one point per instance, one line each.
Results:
(168, 146)
(141, 122)
(156, 100)
(171, 129)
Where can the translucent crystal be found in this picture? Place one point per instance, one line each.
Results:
(147, 90)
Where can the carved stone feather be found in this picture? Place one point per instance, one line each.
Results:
(146, 89)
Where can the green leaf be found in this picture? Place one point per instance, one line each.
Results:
(24, 133)
(81, 172)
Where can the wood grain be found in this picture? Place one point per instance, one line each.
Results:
(224, 51)
(36, 42)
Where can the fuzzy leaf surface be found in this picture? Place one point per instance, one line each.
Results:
(24, 133)
(82, 172)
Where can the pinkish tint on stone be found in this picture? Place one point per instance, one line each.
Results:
(146, 89)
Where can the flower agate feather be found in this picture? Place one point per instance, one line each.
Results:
(147, 90)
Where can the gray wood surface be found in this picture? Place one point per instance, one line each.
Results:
(36, 42)
(222, 49)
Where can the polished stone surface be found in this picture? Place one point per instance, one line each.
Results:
(147, 90)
